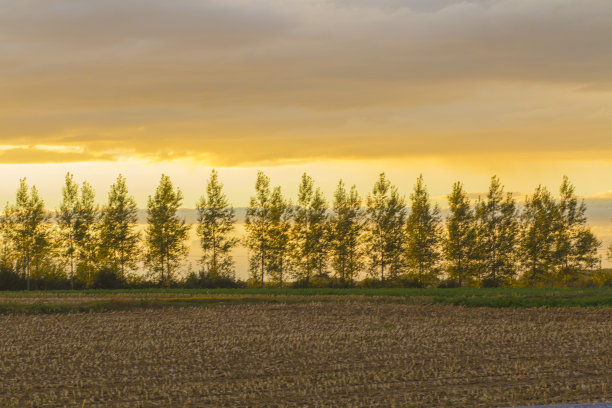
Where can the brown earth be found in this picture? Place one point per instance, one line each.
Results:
(307, 355)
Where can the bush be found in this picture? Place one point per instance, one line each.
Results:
(108, 278)
(409, 281)
(10, 279)
(301, 284)
(489, 283)
(205, 281)
(50, 283)
(370, 283)
(449, 284)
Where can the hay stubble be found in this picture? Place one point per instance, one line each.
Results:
(314, 354)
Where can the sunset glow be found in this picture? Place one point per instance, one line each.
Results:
(456, 90)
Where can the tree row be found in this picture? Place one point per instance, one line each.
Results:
(389, 240)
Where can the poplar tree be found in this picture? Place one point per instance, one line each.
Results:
(610, 252)
(538, 236)
(460, 246)
(67, 221)
(27, 225)
(423, 235)
(310, 231)
(258, 227)
(497, 223)
(347, 222)
(216, 219)
(86, 240)
(576, 246)
(280, 235)
(118, 236)
(166, 232)
(386, 211)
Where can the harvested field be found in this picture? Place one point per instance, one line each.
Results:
(307, 354)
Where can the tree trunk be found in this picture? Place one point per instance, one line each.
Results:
(28, 270)
(343, 266)
(382, 267)
(71, 272)
(161, 264)
(263, 256)
(168, 276)
(214, 254)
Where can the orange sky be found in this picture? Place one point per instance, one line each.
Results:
(339, 88)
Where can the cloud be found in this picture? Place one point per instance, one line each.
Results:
(239, 81)
(49, 154)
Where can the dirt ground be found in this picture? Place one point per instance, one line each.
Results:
(307, 355)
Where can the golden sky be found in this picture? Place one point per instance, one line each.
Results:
(339, 88)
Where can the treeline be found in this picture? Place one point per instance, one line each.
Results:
(378, 240)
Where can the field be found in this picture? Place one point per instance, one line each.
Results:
(306, 348)
(113, 300)
(307, 354)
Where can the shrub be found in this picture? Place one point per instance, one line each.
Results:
(449, 284)
(10, 279)
(108, 278)
(206, 281)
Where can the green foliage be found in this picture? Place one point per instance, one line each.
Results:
(26, 226)
(216, 220)
(204, 280)
(539, 218)
(609, 254)
(118, 236)
(575, 246)
(497, 223)
(386, 211)
(108, 278)
(346, 230)
(461, 244)
(67, 222)
(10, 279)
(280, 237)
(166, 232)
(310, 232)
(258, 227)
(491, 244)
(423, 236)
(86, 236)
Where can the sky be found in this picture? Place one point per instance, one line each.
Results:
(455, 90)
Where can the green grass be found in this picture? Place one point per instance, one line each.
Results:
(110, 300)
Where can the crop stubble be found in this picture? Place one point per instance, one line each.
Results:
(311, 354)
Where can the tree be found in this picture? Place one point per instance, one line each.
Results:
(610, 252)
(86, 240)
(423, 235)
(310, 230)
(27, 224)
(280, 235)
(118, 236)
(496, 219)
(166, 232)
(258, 226)
(216, 220)
(460, 246)
(386, 212)
(538, 236)
(576, 246)
(67, 217)
(347, 222)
